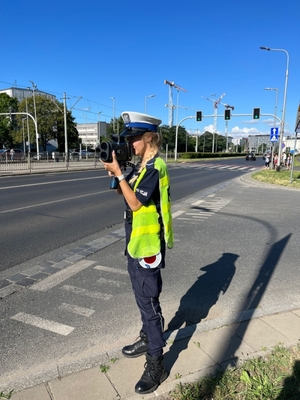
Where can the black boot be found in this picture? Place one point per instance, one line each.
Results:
(153, 375)
(138, 348)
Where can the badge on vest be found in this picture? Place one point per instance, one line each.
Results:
(150, 262)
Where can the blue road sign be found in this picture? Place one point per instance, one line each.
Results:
(274, 135)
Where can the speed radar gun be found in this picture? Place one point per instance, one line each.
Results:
(123, 152)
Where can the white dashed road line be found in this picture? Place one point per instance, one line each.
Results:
(42, 323)
(85, 292)
(58, 277)
(85, 312)
(108, 269)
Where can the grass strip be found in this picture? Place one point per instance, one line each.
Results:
(275, 376)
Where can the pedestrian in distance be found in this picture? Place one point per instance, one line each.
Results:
(289, 162)
(267, 161)
(148, 229)
(12, 153)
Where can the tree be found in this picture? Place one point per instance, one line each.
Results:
(50, 123)
(7, 123)
(169, 137)
(119, 127)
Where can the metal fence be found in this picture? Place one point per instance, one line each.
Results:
(56, 162)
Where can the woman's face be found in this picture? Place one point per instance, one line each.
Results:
(138, 144)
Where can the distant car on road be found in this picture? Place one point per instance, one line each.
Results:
(250, 157)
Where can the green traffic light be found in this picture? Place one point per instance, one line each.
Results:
(256, 113)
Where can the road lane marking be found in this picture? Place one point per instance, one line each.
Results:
(201, 213)
(177, 213)
(197, 202)
(88, 293)
(85, 312)
(59, 277)
(53, 202)
(110, 282)
(42, 323)
(52, 183)
(108, 269)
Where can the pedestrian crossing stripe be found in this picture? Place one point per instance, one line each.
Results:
(42, 323)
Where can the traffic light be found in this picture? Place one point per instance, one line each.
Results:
(227, 115)
(198, 116)
(256, 113)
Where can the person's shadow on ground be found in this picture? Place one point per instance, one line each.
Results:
(291, 385)
(196, 303)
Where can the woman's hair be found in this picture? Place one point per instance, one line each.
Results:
(155, 144)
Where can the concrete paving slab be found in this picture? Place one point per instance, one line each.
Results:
(125, 373)
(286, 323)
(89, 384)
(35, 393)
(258, 334)
(222, 344)
(297, 312)
(186, 356)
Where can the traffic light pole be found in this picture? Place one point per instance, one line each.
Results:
(35, 124)
(217, 116)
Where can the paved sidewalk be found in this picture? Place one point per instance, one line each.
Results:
(208, 351)
(191, 353)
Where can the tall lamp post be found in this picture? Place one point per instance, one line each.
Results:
(113, 100)
(275, 114)
(34, 87)
(284, 100)
(98, 125)
(148, 97)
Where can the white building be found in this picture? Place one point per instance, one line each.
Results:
(22, 94)
(259, 143)
(92, 133)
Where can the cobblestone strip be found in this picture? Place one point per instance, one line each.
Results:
(38, 272)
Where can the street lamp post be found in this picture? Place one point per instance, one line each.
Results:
(113, 100)
(148, 97)
(275, 122)
(284, 100)
(98, 124)
(34, 87)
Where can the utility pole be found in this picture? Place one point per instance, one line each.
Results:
(65, 126)
(34, 87)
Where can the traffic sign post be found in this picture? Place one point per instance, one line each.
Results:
(274, 135)
(297, 130)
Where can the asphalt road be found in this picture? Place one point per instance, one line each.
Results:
(40, 213)
(236, 249)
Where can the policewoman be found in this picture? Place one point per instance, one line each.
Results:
(148, 227)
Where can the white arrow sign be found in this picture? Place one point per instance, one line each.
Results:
(274, 135)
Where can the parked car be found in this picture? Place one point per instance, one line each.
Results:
(87, 154)
(18, 155)
(42, 156)
(251, 157)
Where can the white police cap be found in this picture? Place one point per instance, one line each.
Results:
(138, 123)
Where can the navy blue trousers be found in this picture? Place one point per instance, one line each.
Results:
(147, 286)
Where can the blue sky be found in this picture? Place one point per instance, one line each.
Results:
(127, 49)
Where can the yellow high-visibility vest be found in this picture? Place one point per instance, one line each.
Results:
(145, 238)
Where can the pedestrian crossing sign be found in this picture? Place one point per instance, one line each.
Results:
(274, 135)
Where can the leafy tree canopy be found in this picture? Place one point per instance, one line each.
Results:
(7, 123)
(50, 123)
